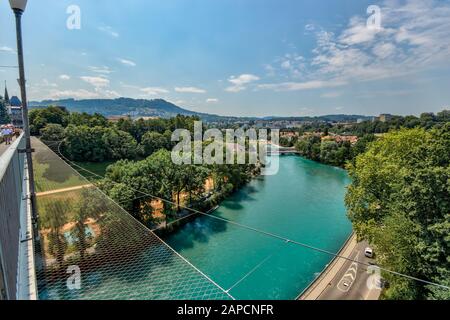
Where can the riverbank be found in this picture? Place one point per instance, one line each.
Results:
(211, 201)
(318, 286)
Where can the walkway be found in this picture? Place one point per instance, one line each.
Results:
(4, 147)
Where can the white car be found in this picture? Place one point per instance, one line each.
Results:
(368, 252)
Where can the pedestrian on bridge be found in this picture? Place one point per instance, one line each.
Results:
(7, 134)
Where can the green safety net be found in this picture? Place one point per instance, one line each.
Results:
(90, 248)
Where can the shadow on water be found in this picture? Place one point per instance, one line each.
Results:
(232, 205)
(201, 228)
(197, 231)
(237, 200)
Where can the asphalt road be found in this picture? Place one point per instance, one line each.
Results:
(353, 281)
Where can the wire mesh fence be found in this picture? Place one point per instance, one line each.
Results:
(90, 248)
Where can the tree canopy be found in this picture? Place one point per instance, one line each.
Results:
(4, 116)
(39, 118)
(399, 200)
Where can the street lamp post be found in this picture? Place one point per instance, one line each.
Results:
(18, 6)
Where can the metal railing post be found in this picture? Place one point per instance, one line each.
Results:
(26, 127)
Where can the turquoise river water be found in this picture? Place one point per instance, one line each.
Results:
(303, 202)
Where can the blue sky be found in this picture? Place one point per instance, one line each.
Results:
(238, 57)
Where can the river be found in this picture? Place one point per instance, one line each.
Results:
(304, 202)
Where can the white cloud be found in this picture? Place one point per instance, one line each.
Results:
(127, 62)
(212, 100)
(64, 77)
(46, 83)
(235, 89)
(98, 82)
(310, 27)
(101, 69)
(306, 111)
(7, 49)
(109, 31)
(270, 70)
(153, 91)
(384, 50)
(189, 90)
(299, 86)
(333, 94)
(239, 83)
(358, 32)
(243, 79)
(110, 94)
(286, 64)
(293, 63)
(413, 37)
(146, 91)
(82, 94)
(76, 94)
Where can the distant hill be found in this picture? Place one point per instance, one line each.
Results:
(120, 106)
(164, 109)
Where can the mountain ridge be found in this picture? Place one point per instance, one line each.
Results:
(164, 109)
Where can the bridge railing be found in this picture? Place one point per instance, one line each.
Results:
(11, 186)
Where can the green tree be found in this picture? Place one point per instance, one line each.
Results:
(122, 194)
(120, 144)
(195, 178)
(362, 145)
(329, 153)
(152, 142)
(399, 201)
(170, 178)
(83, 143)
(125, 177)
(52, 132)
(85, 119)
(39, 118)
(309, 147)
(4, 116)
(443, 116)
(126, 125)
